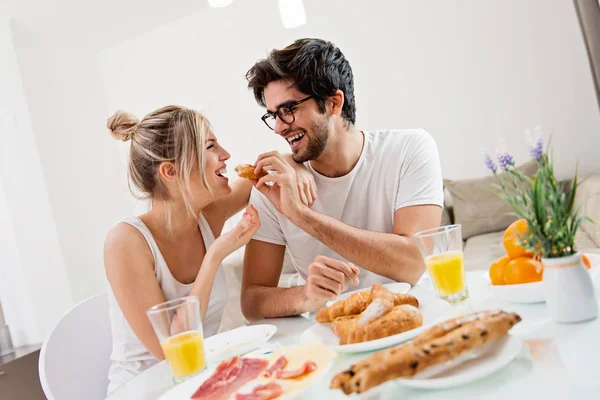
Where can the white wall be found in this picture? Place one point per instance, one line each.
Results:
(467, 71)
(34, 288)
(87, 185)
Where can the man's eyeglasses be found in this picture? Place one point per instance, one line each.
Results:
(285, 112)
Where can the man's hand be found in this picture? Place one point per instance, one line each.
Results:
(327, 279)
(284, 191)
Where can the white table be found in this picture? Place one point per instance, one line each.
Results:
(558, 362)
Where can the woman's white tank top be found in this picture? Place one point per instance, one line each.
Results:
(129, 357)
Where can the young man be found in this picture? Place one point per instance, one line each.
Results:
(375, 189)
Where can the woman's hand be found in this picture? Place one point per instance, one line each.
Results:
(239, 236)
(307, 188)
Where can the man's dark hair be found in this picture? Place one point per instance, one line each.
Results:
(317, 68)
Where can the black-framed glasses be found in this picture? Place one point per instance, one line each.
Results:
(285, 112)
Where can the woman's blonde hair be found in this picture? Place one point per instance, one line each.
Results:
(172, 134)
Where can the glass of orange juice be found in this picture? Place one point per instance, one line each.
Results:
(178, 326)
(441, 249)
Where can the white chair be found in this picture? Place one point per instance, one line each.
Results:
(74, 359)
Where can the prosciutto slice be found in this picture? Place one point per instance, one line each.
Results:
(269, 391)
(307, 368)
(278, 365)
(229, 376)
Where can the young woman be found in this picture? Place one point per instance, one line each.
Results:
(176, 248)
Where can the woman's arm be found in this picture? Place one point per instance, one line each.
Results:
(129, 268)
(226, 207)
(224, 245)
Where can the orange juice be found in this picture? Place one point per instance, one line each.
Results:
(184, 353)
(447, 272)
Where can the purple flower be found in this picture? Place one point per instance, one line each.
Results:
(505, 160)
(537, 150)
(489, 163)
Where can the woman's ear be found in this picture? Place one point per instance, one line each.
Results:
(167, 171)
(336, 102)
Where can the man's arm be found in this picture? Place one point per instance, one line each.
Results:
(261, 298)
(393, 255)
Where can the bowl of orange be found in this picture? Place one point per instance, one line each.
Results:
(517, 276)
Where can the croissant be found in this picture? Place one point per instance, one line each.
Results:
(439, 344)
(358, 302)
(247, 171)
(400, 319)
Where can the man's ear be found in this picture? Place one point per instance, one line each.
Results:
(336, 102)
(167, 171)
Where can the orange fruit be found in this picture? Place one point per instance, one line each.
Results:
(497, 270)
(511, 240)
(523, 270)
(586, 261)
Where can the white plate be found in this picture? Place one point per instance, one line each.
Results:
(185, 390)
(433, 310)
(500, 352)
(396, 287)
(237, 341)
(532, 292)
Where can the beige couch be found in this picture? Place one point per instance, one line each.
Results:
(484, 217)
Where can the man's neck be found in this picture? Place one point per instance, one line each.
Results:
(341, 154)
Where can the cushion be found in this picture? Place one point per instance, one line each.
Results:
(446, 216)
(588, 193)
(477, 206)
(482, 250)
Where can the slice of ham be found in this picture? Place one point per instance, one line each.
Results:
(307, 368)
(229, 376)
(269, 391)
(278, 365)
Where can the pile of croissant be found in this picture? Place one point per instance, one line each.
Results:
(372, 314)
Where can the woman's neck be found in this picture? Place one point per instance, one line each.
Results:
(172, 221)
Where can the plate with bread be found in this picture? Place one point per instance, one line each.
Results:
(451, 353)
(376, 318)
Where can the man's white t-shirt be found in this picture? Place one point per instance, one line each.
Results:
(396, 169)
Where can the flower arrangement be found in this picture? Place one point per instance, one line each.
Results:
(546, 205)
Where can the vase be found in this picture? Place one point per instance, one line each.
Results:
(568, 288)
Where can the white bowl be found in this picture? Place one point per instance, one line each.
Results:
(523, 293)
(534, 292)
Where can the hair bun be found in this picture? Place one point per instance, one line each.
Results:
(122, 125)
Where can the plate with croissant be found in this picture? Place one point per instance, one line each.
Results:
(451, 353)
(376, 318)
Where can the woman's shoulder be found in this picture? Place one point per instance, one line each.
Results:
(126, 238)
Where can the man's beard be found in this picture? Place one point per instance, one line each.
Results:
(316, 144)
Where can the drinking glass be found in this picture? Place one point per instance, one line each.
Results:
(178, 326)
(441, 249)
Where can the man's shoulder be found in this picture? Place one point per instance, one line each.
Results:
(398, 137)
(398, 142)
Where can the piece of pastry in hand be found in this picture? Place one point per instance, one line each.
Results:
(247, 171)
(400, 319)
(441, 343)
(358, 302)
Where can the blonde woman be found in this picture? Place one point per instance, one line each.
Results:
(176, 248)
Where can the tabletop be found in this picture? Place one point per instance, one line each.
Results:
(558, 361)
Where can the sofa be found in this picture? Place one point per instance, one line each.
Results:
(470, 202)
(484, 216)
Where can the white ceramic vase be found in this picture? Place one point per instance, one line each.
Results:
(569, 291)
